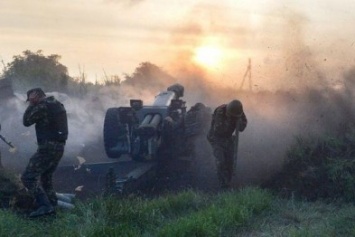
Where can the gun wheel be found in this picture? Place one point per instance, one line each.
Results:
(112, 132)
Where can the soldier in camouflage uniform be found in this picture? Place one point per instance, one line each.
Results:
(0, 154)
(50, 119)
(226, 120)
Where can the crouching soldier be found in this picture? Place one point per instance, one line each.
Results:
(0, 155)
(226, 120)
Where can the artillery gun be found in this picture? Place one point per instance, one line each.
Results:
(145, 141)
(147, 132)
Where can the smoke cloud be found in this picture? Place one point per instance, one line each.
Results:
(274, 120)
(297, 91)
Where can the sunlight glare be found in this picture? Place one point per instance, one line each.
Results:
(208, 56)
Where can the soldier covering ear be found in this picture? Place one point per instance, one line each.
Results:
(227, 119)
(35, 95)
(50, 119)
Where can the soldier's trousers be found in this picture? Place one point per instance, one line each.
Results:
(37, 177)
(223, 152)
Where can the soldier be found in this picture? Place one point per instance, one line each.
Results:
(226, 120)
(50, 119)
(0, 155)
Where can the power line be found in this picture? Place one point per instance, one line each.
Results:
(247, 74)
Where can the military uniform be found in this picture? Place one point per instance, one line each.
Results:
(220, 137)
(50, 119)
(0, 161)
(0, 154)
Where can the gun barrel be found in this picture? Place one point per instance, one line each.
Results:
(146, 120)
(155, 120)
(164, 98)
(149, 128)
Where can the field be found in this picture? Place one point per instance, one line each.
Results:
(246, 212)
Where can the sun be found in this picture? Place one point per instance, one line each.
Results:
(208, 56)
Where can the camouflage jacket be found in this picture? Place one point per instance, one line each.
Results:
(222, 126)
(50, 119)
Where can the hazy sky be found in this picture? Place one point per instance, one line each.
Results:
(114, 36)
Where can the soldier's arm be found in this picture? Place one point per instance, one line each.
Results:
(33, 114)
(243, 122)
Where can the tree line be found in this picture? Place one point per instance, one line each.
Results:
(34, 69)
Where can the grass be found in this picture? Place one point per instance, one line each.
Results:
(299, 218)
(321, 169)
(246, 212)
(185, 214)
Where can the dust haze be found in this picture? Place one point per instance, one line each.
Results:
(274, 120)
(296, 91)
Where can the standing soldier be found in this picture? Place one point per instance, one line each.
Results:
(226, 120)
(0, 155)
(50, 119)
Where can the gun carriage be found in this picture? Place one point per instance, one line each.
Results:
(145, 140)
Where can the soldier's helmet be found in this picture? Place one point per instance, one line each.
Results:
(234, 108)
(199, 106)
(38, 90)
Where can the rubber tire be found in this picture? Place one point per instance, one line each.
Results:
(111, 132)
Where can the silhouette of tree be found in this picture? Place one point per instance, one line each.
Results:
(148, 75)
(33, 69)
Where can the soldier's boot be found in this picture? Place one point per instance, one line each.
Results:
(224, 182)
(225, 185)
(226, 179)
(52, 197)
(44, 207)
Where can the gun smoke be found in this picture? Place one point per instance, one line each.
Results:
(306, 94)
(274, 120)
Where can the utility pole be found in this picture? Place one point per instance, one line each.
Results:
(247, 74)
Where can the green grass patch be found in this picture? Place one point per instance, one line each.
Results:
(293, 218)
(227, 211)
(187, 213)
(245, 212)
